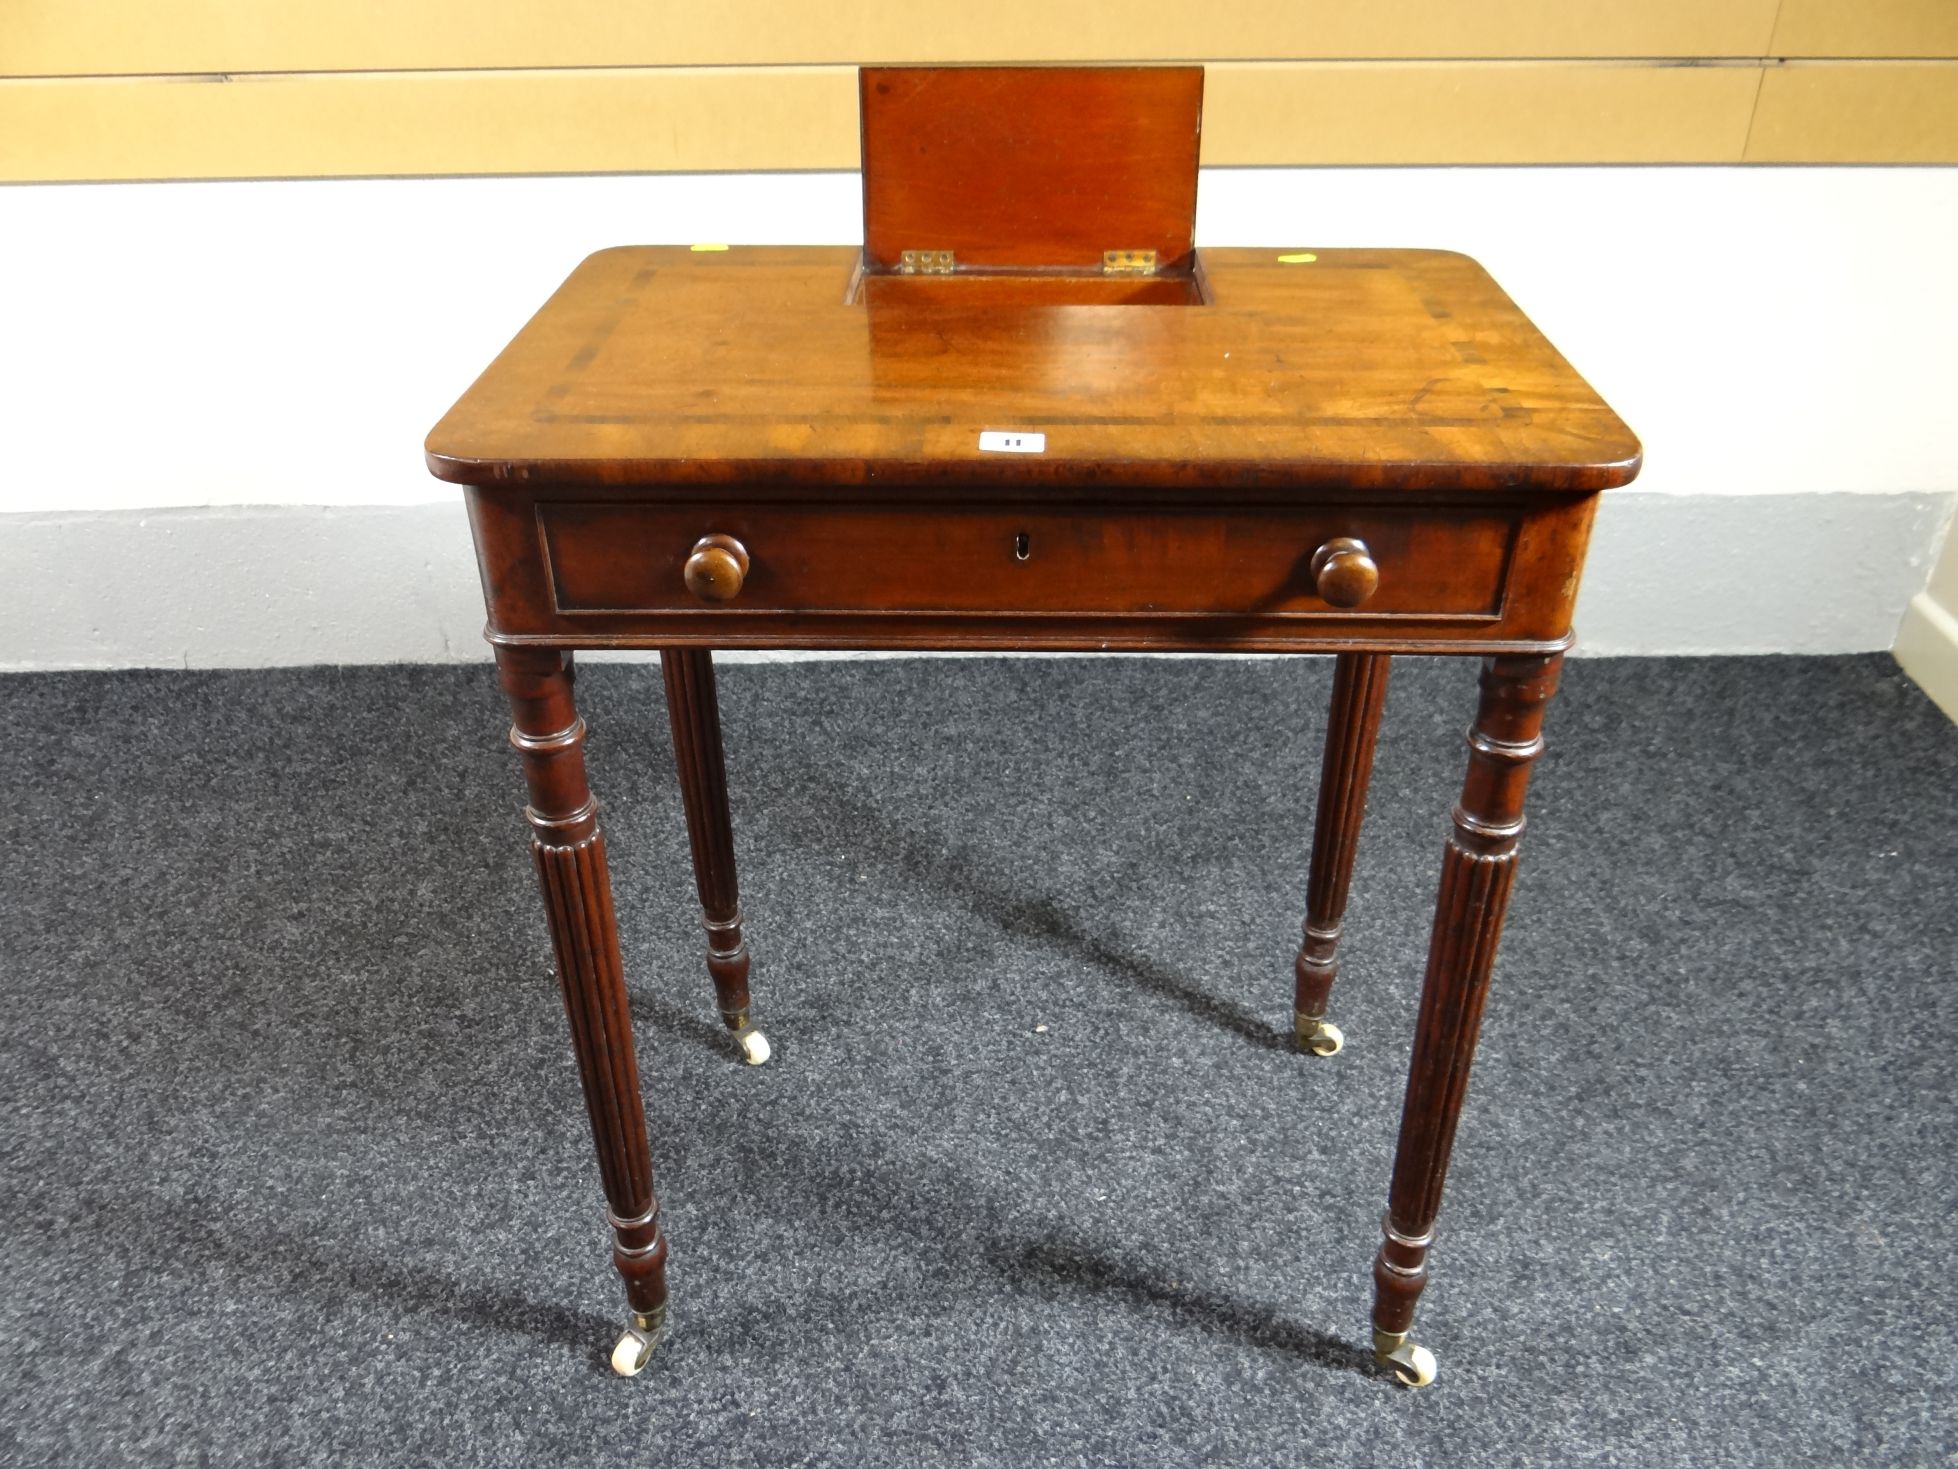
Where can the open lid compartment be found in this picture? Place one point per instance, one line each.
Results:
(1015, 170)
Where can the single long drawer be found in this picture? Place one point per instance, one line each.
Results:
(1071, 561)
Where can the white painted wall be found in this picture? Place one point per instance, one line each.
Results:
(1778, 337)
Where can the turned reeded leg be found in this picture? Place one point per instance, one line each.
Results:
(1359, 690)
(1477, 867)
(692, 705)
(570, 855)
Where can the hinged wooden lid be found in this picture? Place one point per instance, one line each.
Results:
(1030, 167)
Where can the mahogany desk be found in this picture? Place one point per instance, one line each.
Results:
(1356, 452)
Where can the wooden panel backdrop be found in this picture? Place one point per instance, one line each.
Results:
(131, 89)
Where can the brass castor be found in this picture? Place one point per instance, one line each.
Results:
(754, 1045)
(1414, 1366)
(1318, 1035)
(634, 1347)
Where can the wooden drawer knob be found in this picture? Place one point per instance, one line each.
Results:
(1344, 572)
(716, 568)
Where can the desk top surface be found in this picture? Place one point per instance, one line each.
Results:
(1369, 369)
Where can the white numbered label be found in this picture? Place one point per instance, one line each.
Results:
(997, 441)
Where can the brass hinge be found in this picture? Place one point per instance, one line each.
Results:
(1128, 262)
(925, 262)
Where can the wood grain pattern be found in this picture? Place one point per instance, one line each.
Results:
(949, 153)
(1092, 562)
(1352, 728)
(1478, 868)
(1195, 459)
(1108, 567)
(1399, 369)
(569, 852)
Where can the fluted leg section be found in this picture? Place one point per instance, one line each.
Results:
(1359, 691)
(1478, 867)
(694, 708)
(569, 852)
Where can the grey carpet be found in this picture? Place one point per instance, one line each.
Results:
(294, 1170)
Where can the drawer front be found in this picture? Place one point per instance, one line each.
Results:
(611, 560)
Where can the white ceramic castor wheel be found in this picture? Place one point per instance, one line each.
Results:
(1320, 1037)
(754, 1045)
(634, 1348)
(1414, 1365)
(631, 1354)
